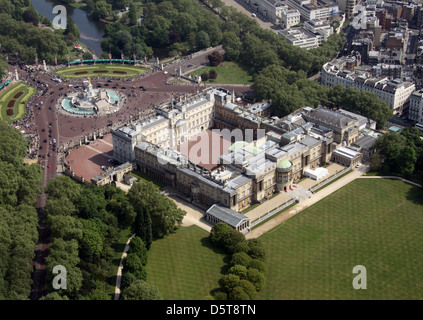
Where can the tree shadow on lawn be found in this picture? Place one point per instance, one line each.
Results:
(415, 195)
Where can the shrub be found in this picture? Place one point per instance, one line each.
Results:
(256, 249)
(256, 278)
(228, 282)
(238, 293)
(238, 270)
(212, 74)
(249, 288)
(205, 76)
(240, 258)
(258, 265)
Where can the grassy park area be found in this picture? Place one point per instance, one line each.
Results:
(227, 73)
(101, 70)
(184, 265)
(376, 223)
(13, 101)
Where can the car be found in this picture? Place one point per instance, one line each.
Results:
(50, 135)
(49, 130)
(109, 80)
(132, 87)
(41, 147)
(190, 65)
(54, 148)
(62, 88)
(99, 83)
(70, 85)
(358, 165)
(44, 156)
(50, 108)
(106, 84)
(49, 166)
(253, 15)
(114, 87)
(76, 86)
(49, 154)
(45, 140)
(165, 72)
(39, 108)
(50, 142)
(50, 123)
(123, 87)
(43, 129)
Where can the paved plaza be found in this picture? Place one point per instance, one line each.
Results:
(87, 160)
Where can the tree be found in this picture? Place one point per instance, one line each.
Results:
(143, 226)
(240, 258)
(132, 14)
(215, 58)
(256, 278)
(138, 247)
(256, 249)
(165, 215)
(204, 76)
(257, 264)
(87, 55)
(127, 279)
(141, 290)
(238, 293)
(239, 270)
(248, 288)
(202, 40)
(29, 17)
(65, 227)
(232, 45)
(102, 9)
(133, 264)
(229, 282)
(213, 74)
(218, 231)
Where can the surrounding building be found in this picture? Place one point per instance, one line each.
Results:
(290, 18)
(415, 111)
(300, 37)
(394, 92)
(314, 9)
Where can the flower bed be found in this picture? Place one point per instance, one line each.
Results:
(9, 112)
(81, 72)
(11, 103)
(18, 95)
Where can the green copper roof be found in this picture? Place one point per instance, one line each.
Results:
(285, 164)
(237, 145)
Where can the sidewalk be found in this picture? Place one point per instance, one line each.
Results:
(357, 173)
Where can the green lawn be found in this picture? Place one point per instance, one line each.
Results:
(75, 72)
(376, 223)
(227, 73)
(184, 265)
(19, 108)
(144, 177)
